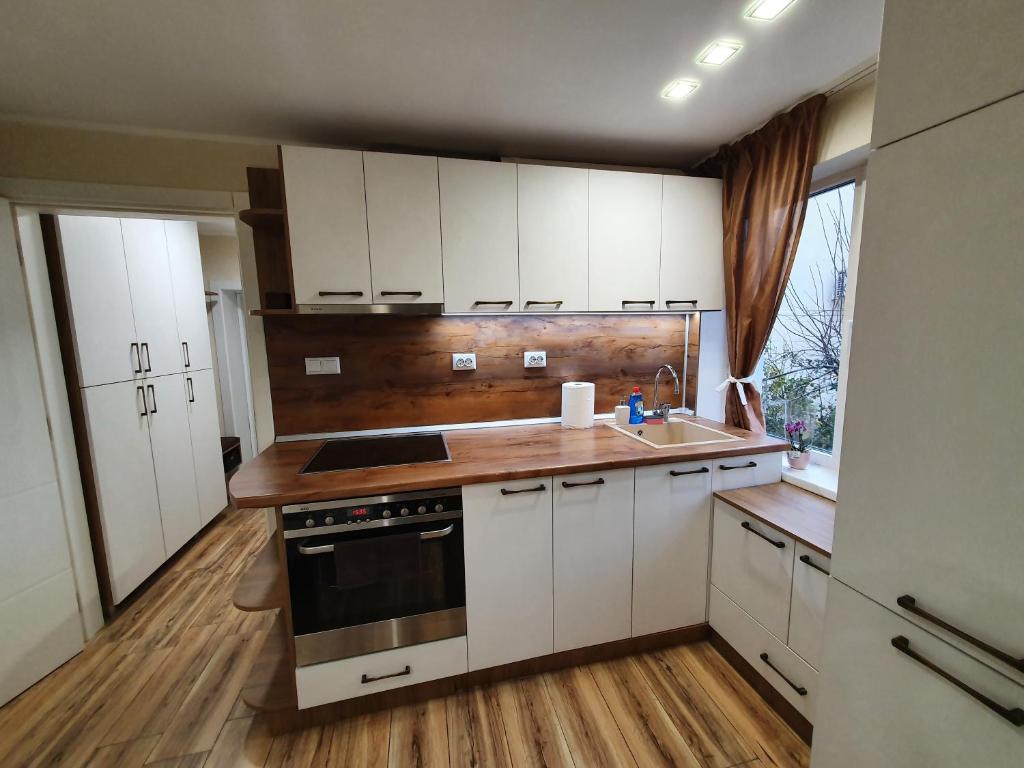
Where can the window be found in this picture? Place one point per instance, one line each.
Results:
(804, 361)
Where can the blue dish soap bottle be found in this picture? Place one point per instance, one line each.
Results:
(636, 407)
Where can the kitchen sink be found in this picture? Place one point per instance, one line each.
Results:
(673, 433)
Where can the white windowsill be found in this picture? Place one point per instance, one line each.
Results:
(816, 479)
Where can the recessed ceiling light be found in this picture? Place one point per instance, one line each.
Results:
(679, 89)
(719, 52)
(767, 10)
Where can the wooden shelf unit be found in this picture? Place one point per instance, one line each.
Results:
(262, 586)
(262, 217)
(269, 223)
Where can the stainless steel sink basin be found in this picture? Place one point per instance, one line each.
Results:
(673, 433)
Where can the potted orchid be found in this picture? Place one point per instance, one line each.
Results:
(799, 453)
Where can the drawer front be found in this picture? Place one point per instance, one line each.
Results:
(807, 610)
(880, 707)
(745, 471)
(749, 567)
(796, 680)
(361, 675)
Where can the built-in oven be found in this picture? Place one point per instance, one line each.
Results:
(375, 573)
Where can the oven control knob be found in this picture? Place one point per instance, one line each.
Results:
(310, 522)
(405, 511)
(439, 507)
(386, 514)
(328, 520)
(420, 510)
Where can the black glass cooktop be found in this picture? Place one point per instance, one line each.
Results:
(384, 451)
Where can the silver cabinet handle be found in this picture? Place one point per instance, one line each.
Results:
(323, 549)
(368, 679)
(439, 534)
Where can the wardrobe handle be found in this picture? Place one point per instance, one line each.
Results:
(806, 560)
(495, 303)
(367, 679)
(401, 293)
(638, 301)
(670, 302)
(191, 390)
(1015, 715)
(908, 603)
(537, 489)
(798, 688)
(188, 360)
(133, 347)
(152, 393)
(599, 481)
(145, 350)
(557, 303)
(677, 473)
(751, 529)
(727, 467)
(339, 293)
(145, 405)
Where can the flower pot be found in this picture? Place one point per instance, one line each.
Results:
(798, 460)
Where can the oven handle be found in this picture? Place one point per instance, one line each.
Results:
(324, 549)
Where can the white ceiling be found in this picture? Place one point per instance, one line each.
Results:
(558, 79)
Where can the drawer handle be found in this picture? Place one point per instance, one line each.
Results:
(670, 302)
(145, 351)
(727, 467)
(677, 473)
(339, 293)
(599, 481)
(401, 293)
(652, 302)
(494, 303)
(751, 529)
(806, 560)
(373, 679)
(1015, 715)
(538, 489)
(908, 603)
(798, 688)
(557, 303)
(133, 347)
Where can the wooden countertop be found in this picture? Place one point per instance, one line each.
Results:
(805, 516)
(477, 456)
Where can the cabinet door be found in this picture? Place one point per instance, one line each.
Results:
(189, 294)
(101, 302)
(934, 512)
(941, 60)
(880, 707)
(122, 460)
(593, 546)
(404, 221)
(692, 272)
(479, 237)
(326, 200)
(807, 607)
(172, 460)
(625, 241)
(671, 546)
(201, 396)
(149, 277)
(552, 238)
(508, 571)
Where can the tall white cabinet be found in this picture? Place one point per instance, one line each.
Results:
(134, 292)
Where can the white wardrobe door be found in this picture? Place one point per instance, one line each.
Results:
(101, 302)
(149, 278)
(172, 460)
(189, 297)
(125, 483)
(201, 396)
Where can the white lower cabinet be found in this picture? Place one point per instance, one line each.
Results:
(807, 605)
(361, 675)
(507, 536)
(881, 707)
(796, 680)
(745, 471)
(593, 558)
(671, 529)
(201, 397)
(753, 565)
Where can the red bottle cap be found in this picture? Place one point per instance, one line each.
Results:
(636, 390)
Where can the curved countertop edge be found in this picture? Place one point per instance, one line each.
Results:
(488, 454)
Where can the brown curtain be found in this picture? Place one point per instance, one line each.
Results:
(765, 176)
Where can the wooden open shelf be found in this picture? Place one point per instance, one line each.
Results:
(258, 218)
(271, 683)
(262, 586)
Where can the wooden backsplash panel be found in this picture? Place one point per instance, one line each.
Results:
(396, 371)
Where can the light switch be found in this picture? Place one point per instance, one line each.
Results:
(317, 366)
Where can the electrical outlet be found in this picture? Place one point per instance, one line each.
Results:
(463, 361)
(537, 358)
(317, 366)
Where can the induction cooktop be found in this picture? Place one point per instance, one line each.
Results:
(377, 451)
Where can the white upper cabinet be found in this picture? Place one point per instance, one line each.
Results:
(942, 60)
(552, 238)
(326, 201)
(149, 275)
(479, 235)
(189, 296)
(625, 241)
(100, 299)
(404, 222)
(692, 274)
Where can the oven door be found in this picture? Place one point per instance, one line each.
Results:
(361, 591)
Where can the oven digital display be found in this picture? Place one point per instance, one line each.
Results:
(360, 512)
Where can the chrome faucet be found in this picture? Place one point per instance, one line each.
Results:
(664, 408)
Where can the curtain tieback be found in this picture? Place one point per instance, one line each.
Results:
(739, 387)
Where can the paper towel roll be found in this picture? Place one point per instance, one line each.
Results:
(578, 405)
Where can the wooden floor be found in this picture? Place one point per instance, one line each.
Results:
(160, 686)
